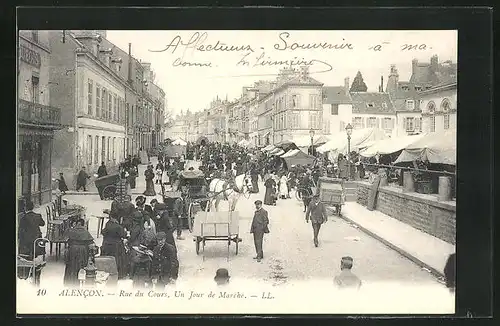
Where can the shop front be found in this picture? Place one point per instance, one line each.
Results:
(36, 125)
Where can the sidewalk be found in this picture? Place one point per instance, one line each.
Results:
(140, 184)
(421, 248)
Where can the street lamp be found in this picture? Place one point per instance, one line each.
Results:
(348, 130)
(311, 133)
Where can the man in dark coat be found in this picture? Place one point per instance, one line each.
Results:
(29, 231)
(102, 171)
(165, 262)
(316, 212)
(180, 212)
(62, 183)
(81, 180)
(259, 226)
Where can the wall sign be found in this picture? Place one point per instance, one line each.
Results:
(30, 56)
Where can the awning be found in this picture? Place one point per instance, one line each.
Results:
(435, 147)
(388, 146)
(303, 141)
(179, 142)
(268, 148)
(359, 139)
(297, 157)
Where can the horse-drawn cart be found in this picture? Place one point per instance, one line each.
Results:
(216, 226)
(193, 184)
(111, 186)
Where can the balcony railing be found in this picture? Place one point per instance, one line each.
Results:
(35, 113)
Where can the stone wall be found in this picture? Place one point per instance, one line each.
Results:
(423, 212)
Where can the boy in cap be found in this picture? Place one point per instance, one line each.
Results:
(259, 226)
(165, 262)
(316, 212)
(346, 279)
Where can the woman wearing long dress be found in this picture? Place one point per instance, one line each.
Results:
(112, 245)
(150, 186)
(283, 186)
(269, 197)
(79, 243)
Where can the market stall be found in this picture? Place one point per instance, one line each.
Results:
(388, 146)
(297, 157)
(277, 152)
(436, 148)
(359, 139)
(179, 142)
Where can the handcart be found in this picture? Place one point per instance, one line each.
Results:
(109, 186)
(332, 193)
(216, 226)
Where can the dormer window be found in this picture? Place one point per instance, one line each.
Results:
(410, 105)
(370, 105)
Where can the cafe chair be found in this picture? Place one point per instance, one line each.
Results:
(55, 232)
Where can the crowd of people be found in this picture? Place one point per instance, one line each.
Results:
(141, 236)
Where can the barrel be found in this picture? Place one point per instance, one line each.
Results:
(408, 185)
(444, 190)
(383, 177)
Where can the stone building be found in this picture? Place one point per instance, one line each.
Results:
(37, 119)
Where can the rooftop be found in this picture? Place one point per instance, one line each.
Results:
(372, 103)
(336, 95)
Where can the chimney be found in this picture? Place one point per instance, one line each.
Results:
(346, 85)
(414, 64)
(434, 63)
(129, 75)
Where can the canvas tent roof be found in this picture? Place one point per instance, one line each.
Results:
(268, 148)
(435, 147)
(180, 142)
(303, 141)
(388, 146)
(296, 157)
(359, 139)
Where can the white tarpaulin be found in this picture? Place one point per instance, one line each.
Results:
(268, 148)
(277, 152)
(305, 141)
(389, 145)
(435, 147)
(359, 139)
(291, 152)
(179, 142)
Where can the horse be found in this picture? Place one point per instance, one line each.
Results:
(229, 190)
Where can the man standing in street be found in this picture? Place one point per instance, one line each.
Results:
(316, 212)
(81, 180)
(259, 226)
(180, 212)
(102, 171)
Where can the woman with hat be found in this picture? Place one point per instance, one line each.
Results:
(113, 245)
(150, 187)
(222, 276)
(80, 243)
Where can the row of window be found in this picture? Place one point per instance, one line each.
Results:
(445, 106)
(104, 103)
(297, 120)
(372, 122)
(102, 149)
(413, 124)
(432, 123)
(108, 106)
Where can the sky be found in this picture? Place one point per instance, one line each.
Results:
(194, 67)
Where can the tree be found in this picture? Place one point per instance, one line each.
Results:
(358, 85)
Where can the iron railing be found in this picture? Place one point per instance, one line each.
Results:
(35, 113)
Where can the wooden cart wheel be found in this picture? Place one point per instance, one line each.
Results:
(198, 245)
(108, 193)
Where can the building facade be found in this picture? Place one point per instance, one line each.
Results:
(36, 119)
(439, 107)
(337, 108)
